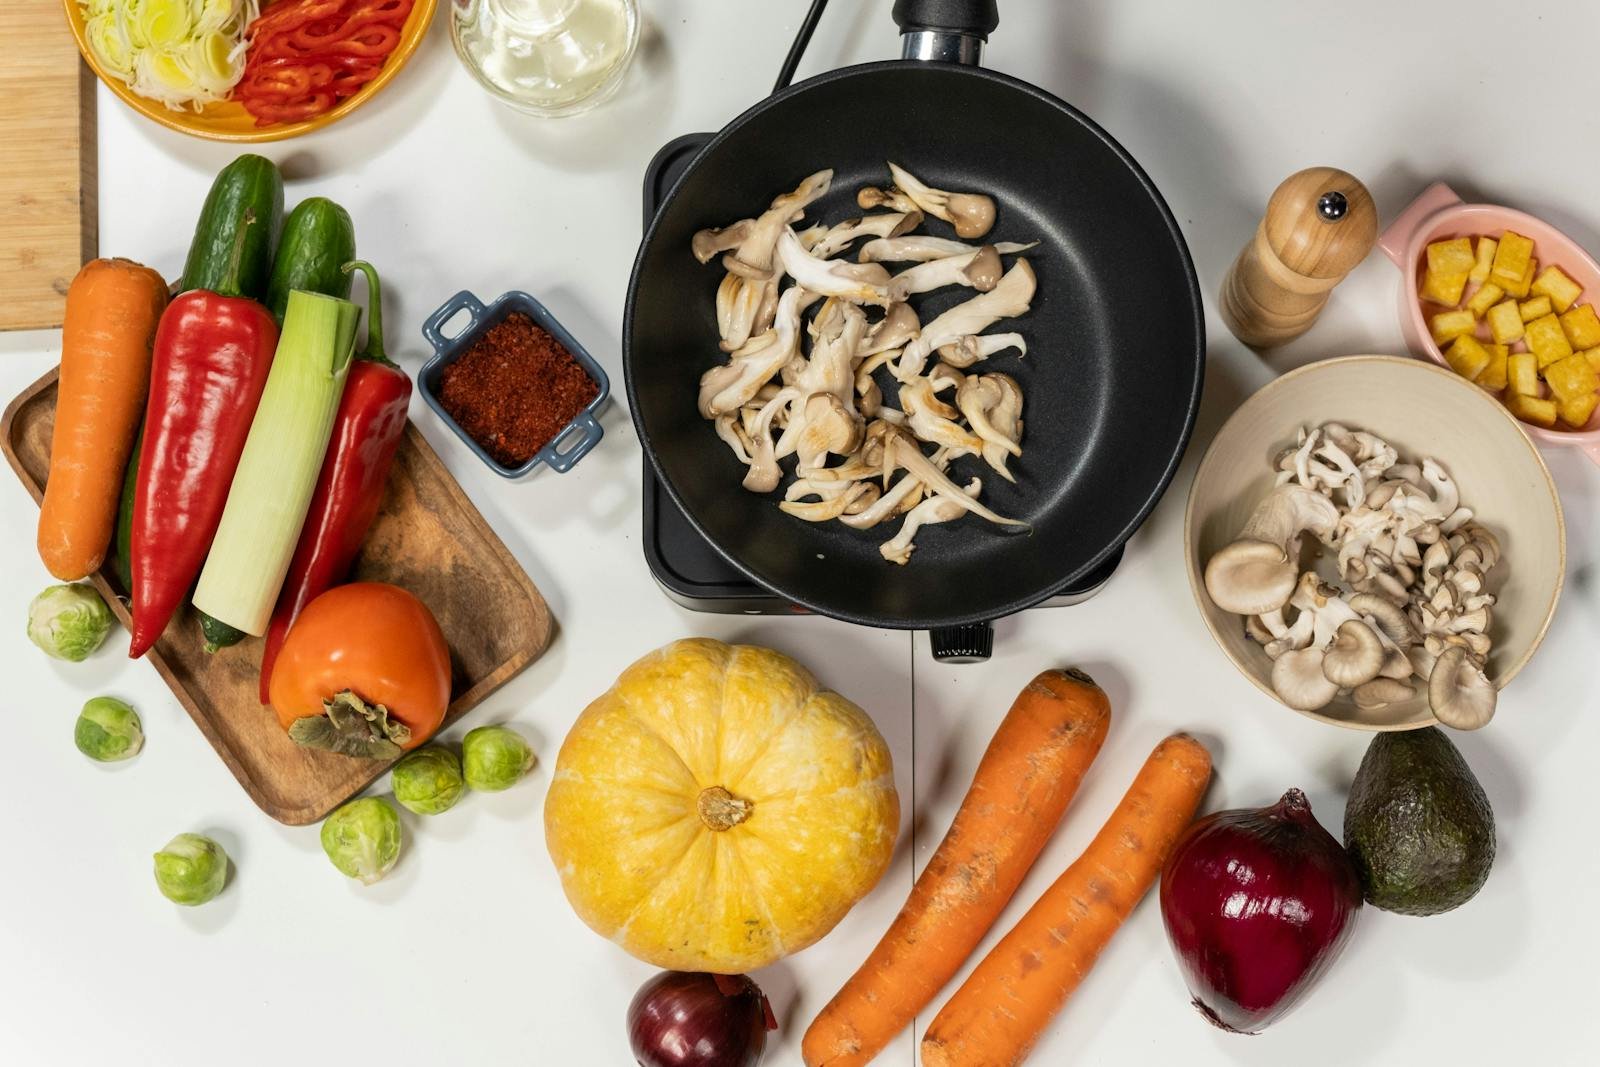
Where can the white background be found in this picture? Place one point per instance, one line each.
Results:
(468, 953)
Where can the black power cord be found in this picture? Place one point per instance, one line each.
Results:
(808, 26)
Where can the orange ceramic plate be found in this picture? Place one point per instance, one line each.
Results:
(229, 121)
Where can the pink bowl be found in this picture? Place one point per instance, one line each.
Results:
(1439, 214)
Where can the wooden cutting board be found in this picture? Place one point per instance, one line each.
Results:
(48, 214)
(428, 538)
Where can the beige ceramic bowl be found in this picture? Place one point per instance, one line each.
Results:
(1422, 410)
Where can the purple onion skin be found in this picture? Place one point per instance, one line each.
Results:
(1258, 903)
(683, 1019)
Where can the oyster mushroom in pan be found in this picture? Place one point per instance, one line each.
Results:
(1413, 564)
(870, 404)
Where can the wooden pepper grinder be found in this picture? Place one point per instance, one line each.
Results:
(1319, 224)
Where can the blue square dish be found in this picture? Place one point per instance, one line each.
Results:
(575, 440)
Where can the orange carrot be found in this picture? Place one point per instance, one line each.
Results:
(1027, 777)
(1000, 1011)
(113, 306)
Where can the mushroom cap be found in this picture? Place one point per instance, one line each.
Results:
(1459, 693)
(1298, 680)
(1355, 657)
(985, 269)
(1251, 577)
(1381, 692)
(1390, 618)
(972, 214)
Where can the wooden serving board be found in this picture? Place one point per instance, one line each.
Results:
(48, 215)
(428, 538)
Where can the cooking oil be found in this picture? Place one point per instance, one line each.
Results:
(547, 57)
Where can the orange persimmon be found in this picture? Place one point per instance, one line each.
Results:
(364, 671)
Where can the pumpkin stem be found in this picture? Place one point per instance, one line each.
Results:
(721, 810)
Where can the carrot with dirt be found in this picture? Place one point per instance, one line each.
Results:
(999, 1012)
(113, 306)
(1022, 786)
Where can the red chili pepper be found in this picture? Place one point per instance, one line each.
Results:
(366, 435)
(211, 355)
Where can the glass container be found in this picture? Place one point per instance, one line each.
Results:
(546, 57)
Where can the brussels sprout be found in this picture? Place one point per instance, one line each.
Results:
(428, 781)
(494, 758)
(363, 839)
(191, 869)
(108, 730)
(69, 621)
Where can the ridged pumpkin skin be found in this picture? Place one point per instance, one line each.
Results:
(716, 811)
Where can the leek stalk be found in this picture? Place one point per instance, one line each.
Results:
(277, 472)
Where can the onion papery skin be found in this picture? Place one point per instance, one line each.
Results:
(690, 1019)
(1257, 903)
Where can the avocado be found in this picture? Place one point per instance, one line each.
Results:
(1418, 825)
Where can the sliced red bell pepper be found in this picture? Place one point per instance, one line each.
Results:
(211, 355)
(367, 430)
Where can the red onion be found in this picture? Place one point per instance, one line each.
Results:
(1257, 903)
(682, 1019)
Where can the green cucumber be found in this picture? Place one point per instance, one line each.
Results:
(318, 240)
(246, 196)
(217, 633)
(122, 542)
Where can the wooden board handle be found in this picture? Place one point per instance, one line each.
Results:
(1319, 224)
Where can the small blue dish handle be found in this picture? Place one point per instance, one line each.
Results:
(462, 301)
(590, 430)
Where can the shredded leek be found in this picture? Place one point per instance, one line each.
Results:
(277, 472)
(184, 53)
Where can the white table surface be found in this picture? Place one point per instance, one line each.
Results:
(467, 953)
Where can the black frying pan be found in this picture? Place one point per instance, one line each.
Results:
(1116, 336)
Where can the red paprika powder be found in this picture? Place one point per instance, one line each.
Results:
(515, 389)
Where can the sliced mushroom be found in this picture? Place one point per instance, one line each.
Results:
(904, 453)
(708, 244)
(830, 428)
(1381, 692)
(1298, 680)
(898, 325)
(1354, 657)
(870, 197)
(756, 250)
(980, 270)
(931, 419)
(889, 224)
(859, 283)
(935, 509)
(919, 248)
(965, 351)
(972, 214)
(992, 404)
(832, 503)
(1258, 571)
(1459, 693)
(730, 386)
(1011, 297)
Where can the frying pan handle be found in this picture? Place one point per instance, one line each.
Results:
(972, 643)
(945, 31)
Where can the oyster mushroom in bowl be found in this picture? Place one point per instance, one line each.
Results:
(1374, 542)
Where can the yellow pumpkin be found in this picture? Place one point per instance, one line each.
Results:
(717, 811)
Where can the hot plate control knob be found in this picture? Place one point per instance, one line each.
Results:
(971, 643)
(1319, 224)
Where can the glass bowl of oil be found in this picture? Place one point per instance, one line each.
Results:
(550, 58)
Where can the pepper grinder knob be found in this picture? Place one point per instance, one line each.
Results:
(1319, 224)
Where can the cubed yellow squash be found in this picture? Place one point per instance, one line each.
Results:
(1548, 340)
(1554, 283)
(1582, 326)
(1511, 258)
(1521, 286)
(1454, 256)
(1448, 325)
(1484, 260)
(1467, 356)
(1494, 375)
(1505, 322)
(1532, 409)
(1536, 307)
(1443, 289)
(1571, 378)
(1577, 411)
(1522, 373)
(1593, 356)
(1487, 296)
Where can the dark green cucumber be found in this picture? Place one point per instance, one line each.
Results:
(318, 240)
(217, 633)
(247, 195)
(122, 543)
